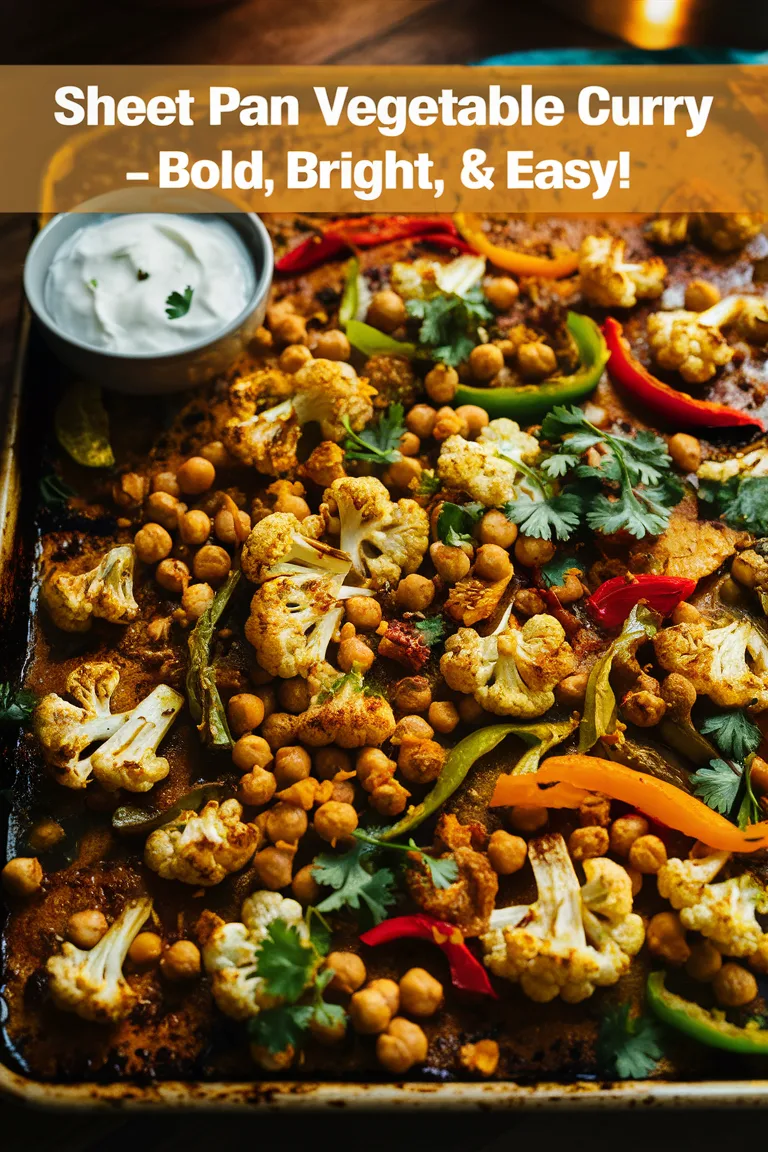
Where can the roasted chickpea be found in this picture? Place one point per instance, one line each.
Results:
(274, 867)
(529, 602)
(594, 811)
(293, 695)
(410, 445)
(451, 564)
(400, 474)
(470, 711)
(332, 345)
(420, 993)
(181, 961)
(194, 527)
(448, 423)
(330, 761)
(443, 715)
(492, 563)
(648, 855)
(22, 876)
(414, 593)
(536, 361)
(292, 502)
(390, 990)
(389, 798)
(412, 694)
(474, 418)
(348, 972)
(685, 451)
(328, 1032)
(704, 962)
(85, 929)
(665, 937)
(343, 791)
(166, 482)
(162, 508)
(485, 360)
(172, 575)
(257, 787)
(412, 727)
(587, 843)
(45, 835)
(245, 712)
(441, 383)
(152, 543)
(421, 761)
(293, 357)
(129, 490)
(224, 526)
(734, 986)
(215, 453)
(251, 752)
(212, 564)
(507, 853)
(501, 292)
(364, 612)
(421, 420)
(369, 1011)
(292, 763)
(334, 821)
(700, 295)
(272, 1061)
(481, 1058)
(286, 823)
(386, 310)
(372, 763)
(625, 831)
(494, 528)
(527, 819)
(758, 775)
(530, 551)
(305, 888)
(401, 1046)
(196, 598)
(290, 329)
(354, 653)
(572, 690)
(195, 476)
(643, 709)
(146, 949)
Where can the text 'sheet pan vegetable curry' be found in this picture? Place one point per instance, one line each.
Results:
(396, 705)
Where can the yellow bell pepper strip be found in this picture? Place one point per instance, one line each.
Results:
(700, 1024)
(563, 781)
(529, 402)
(519, 263)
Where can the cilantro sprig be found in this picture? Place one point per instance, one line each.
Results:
(428, 484)
(379, 443)
(724, 785)
(443, 870)
(742, 501)
(16, 705)
(179, 303)
(449, 323)
(432, 630)
(628, 1047)
(355, 883)
(457, 521)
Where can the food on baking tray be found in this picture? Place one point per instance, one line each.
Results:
(409, 684)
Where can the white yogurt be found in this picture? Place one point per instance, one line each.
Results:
(110, 282)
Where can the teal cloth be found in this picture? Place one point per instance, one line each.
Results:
(564, 56)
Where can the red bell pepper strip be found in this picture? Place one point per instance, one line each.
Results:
(368, 231)
(612, 602)
(443, 240)
(312, 252)
(659, 399)
(467, 973)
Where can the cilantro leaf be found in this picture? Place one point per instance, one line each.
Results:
(427, 484)
(179, 303)
(449, 323)
(444, 871)
(559, 515)
(328, 1015)
(456, 521)
(354, 886)
(432, 630)
(279, 1028)
(379, 443)
(16, 706)
(742, 501)
(285, 962)
(142, 275)
(718, 786)
(555, 571)
(735, 735)
(628, 1047)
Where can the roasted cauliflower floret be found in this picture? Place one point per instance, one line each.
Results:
(608, 281)
(728, 231)
(723, 912)
(606, 906)
(231, 953)
(276, 546)
(385, 540)
(105, 592)
(669, 230)
(693, 344)
(728, 663)
(91, 983)
(753, 463)
(292, 622)
(202, 848)
(750, 568)
(129, 759)
(487, 468)
(65, 730)
(344, 713)
(467, 902)
(544, 946)
(511, 672)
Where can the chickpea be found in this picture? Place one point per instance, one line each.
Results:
(332, 345)
(152, 543)
(401, 1046)
(85, 929)
(412, 694)
(759, 959)
(530, 551)
(162, 508)
(292, 763)
(274, 867)
(293, 695)
(257, 787)
(194, 527)
(495, 529)
(45, 835)
(369, 1011)
(332, 1032)
(492, 563)
(195, 476)
(507, 853)
(421, 761)
(294, 357)
(389, 798)
(372, 762)
(386, 310)
(400, 474)
(570, 590)
(448, 423)
(451, 564)
(685, 451)
(587, 843)
(700, 295)
(330, 761)
(129, 490)
(474, 418)
(595, 810)
(334, 821)
(286, 822)
(181, 961)
(172, 575)
(215, 453)
(146, 949)
(389, 990)
(441, 383)
(354, 653)
(364, 612)
(166, 482)
(410, 445)
(272, 1061)
(304, 886)
(22, 876)
(648, 855)
(212, 564)
(636, 879)
(421, 420)
(470, 711)
(415, 593)
(443, 715)
(412, 727)
(527, 819)
(665, 936)
(348, 972)
(245, 712)
(625, 831)
(572, 690)
(251, 752)
(196, 598)
(482, 1057)
(501, 292)
(485, 360)
(343, 791)
(758, 775)
(734, 986)
(536, 360)
(643, 709)
(704, 962)
(420, 993)
(290, 329)
(292, 502)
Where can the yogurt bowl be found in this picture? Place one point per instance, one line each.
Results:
(110, 320)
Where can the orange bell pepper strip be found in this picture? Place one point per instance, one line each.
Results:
(563, 781)
(520, 263)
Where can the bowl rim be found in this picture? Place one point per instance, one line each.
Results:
(262, 283)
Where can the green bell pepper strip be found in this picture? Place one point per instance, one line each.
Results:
(371, 342)
(539, 737)
(350, 297)
(701, 1025)
(203, 697)
(529, 402)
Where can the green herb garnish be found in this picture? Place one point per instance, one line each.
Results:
(735, 735)
(628, 1047)
(428, 484)
(449, 323)
(432, 630)
(356, 885)
(379, 443)
(141, 275)
(444, 871)
(742, 501)
(16, 704)
(456, 522)
(179, 303)
(53, 491)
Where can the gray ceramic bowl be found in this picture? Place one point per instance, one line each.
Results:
(149, 372)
